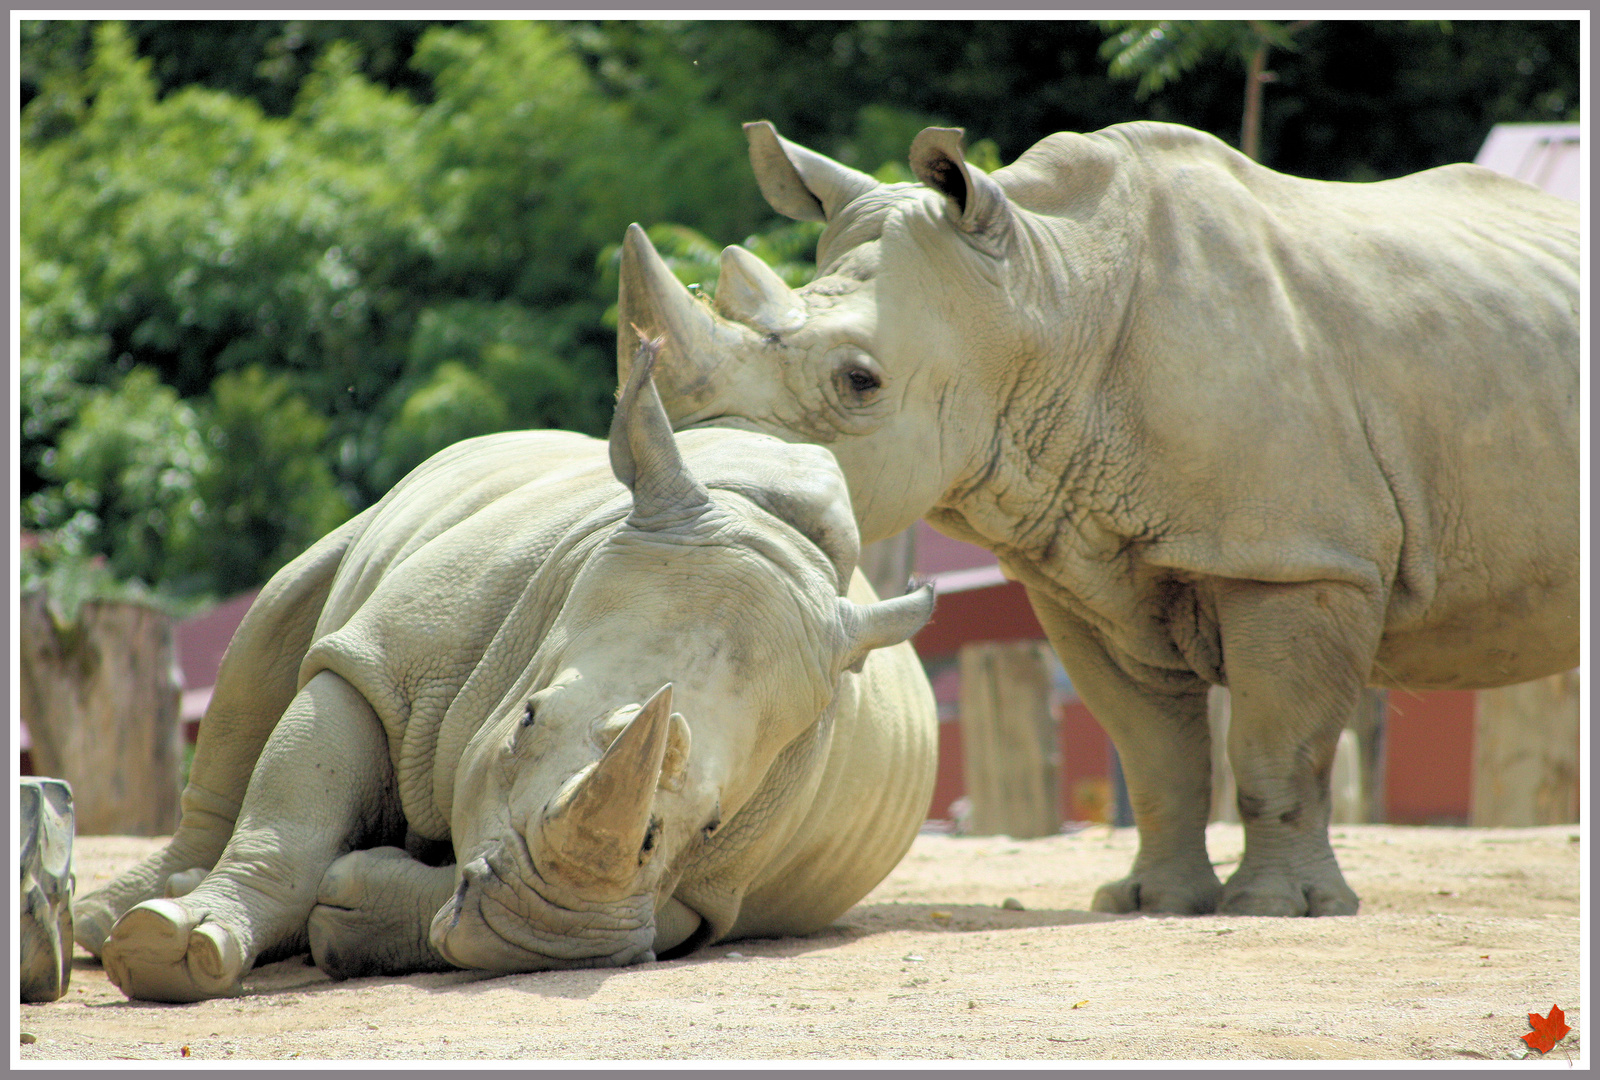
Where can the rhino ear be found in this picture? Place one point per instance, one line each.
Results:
(801, 183)
(976, 204)
(888, 622)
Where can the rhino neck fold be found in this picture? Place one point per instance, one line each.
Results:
(1055, 433)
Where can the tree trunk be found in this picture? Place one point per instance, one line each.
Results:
(1250, 128)
(100, 699)
(1008, 739)
(1525, 754)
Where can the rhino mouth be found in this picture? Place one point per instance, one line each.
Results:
(511, 922)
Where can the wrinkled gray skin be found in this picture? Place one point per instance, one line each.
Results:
(636, 723)
(1227, 426)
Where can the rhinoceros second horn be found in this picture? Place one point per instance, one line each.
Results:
(597, 826)
(750, 291)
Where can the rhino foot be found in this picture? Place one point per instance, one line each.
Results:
(374, 909)
(1151, 890)
(159, 951)
(1320, 890)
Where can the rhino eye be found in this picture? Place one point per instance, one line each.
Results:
(857, 379)
(862, 381)
(528, 717)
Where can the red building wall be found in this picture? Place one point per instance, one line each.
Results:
(1428, 757)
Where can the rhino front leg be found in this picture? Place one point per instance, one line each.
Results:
(374, 910)
(1297, 657)
(322, 786)
(1162, 735)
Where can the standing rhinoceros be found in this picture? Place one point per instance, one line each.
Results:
(462, 666)
(1227, 427)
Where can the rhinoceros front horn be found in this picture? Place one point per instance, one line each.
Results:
(596, 829)
(644, 453)
(653, 302)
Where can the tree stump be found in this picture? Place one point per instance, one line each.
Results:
(100, 698)
(1008, 739)
(1525, 754)
(1224, 794)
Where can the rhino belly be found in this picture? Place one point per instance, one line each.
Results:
(1485, 645)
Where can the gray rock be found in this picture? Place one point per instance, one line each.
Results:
(45, 825)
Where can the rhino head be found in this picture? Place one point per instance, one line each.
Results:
(699, 638)
(893, 357)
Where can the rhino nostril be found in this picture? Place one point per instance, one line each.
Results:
(650, 836)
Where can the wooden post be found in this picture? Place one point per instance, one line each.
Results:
(1369, 728)
(1525, 754)
(1008, 736)
(888, 563)
(100, 698)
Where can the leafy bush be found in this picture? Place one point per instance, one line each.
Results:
(267, 267)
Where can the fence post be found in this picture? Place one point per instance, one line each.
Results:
(1008, 738)
(1525, 753)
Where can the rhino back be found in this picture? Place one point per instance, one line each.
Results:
(1368, 382)
(434, 613)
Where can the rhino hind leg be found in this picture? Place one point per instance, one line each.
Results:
(323, 785)
(256, 682)
(374, 910)
(1297, 659)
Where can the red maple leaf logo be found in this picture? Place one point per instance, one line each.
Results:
(1547, 1030)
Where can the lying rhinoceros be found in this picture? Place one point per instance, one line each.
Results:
(1227, 426)
(461, 668)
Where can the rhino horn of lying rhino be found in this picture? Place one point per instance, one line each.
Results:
(644, 454)
(652, 301)
(885, 623)
(601, 826)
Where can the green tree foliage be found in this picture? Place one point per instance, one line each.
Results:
(284, 501)
(127, 469)
(1158, 52)
(267, 267)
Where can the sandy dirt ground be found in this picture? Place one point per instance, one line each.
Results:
(1462, 933)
